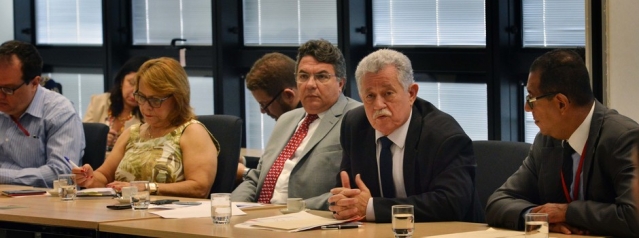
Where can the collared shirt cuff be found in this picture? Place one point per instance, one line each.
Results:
(370, 211)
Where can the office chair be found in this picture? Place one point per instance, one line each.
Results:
(227, 130)
(95, 136)
(496, 161)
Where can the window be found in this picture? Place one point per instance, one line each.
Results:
(69, 22)
(466, 102)
(202, 95)
(258, 126)
(429, 23)
(554, 23)
(288, 22)
(79, 87)
(157, 22)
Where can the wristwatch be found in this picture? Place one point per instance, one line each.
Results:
(153, 188)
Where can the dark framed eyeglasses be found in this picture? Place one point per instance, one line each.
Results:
(321, 77)
(265, 107)
(153, 102)
(530, 100)
(10, 91)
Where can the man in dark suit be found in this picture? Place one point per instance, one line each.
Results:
(400, 149)
(579, 170)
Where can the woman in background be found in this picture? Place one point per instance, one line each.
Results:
(171, 149)
(117, 108)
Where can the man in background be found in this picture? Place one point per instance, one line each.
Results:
(271, 80)
(38, 127)
(579, 170)
(272, 83)
(400, 149)
(301, 159)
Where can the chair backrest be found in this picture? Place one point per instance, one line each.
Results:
(227, 130)
(95, 136)
(496, 161)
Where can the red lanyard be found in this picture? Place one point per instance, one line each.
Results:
(20, 126)
(575, 191)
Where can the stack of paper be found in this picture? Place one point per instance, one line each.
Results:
(202, 210)
(292, 222)
(490, 233)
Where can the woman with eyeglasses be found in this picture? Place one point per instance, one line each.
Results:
(117, 108)
(171, 149)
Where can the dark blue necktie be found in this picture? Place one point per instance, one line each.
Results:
(386, 168)
(567, 164)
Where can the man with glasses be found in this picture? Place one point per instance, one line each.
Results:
(303, 154)
(271, 80)
(400, 149)
(579, 170)
(39, 128)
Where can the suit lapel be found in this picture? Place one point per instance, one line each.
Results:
(289, 130)
(328, 121)
(369, 165)
(591, 144)
(410, 151)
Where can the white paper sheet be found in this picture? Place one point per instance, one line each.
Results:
(292, 222)
(202, 210)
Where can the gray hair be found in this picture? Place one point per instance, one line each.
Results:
(379, 59)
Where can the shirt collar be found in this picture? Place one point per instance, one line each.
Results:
(398, 137)
(579, 138)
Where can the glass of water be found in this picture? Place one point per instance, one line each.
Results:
(140, 195)
(68, 187)
(537, 225)
(403, 220)
(221, 208)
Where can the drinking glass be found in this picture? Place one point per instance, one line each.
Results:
(536, 225)
(140, 195)
(403, 220)
(68, 187)
(221, 208)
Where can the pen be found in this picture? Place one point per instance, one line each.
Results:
(71, 162)
(336, 227)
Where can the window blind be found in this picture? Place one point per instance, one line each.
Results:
(466, 102)
(554, 23)
(79, 88)
(258, 126)
(288, 22)
(157, 22)
(449, 23)
(68, 22)
(202, 95)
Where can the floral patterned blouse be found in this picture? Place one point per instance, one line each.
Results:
(156, 160)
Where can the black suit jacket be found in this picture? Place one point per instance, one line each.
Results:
(608, 208)
(439, 165)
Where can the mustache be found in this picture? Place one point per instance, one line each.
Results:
(382, 112)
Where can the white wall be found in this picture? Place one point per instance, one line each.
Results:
(6, 20)
(622, 56)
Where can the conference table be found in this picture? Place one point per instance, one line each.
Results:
(89, 217)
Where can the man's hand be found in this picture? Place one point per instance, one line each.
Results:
(346, 202)
(556, 211)
(567, 229)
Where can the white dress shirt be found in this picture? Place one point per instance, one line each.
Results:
(398, 137)
(578, 141)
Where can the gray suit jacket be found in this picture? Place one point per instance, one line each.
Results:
(313, 176)
(608, 208)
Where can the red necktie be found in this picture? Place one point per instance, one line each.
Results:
(271, 177)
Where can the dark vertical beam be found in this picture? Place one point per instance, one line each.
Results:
(352, 35)
(226, 42)
(504, 115)
(24, 20)
(116, 33)
(596, 41)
